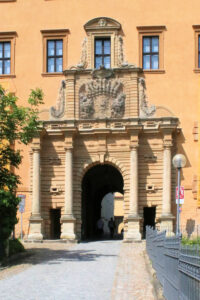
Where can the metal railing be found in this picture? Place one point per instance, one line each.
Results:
(177, 266)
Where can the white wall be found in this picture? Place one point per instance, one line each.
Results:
(107, 210)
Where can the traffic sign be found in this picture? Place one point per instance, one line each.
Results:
(22, 202)
(181, 195)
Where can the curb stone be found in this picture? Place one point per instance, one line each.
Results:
(157, 288)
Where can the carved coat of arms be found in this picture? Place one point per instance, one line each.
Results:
(101, 98)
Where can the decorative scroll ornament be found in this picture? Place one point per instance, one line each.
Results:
(102, 98)
(121, 58)
(83, 61)
(145, 110)
(59, 110)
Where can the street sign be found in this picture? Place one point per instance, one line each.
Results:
(181, 195)
(21, 210)
(22, 203)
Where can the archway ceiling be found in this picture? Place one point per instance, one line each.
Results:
(103, 179)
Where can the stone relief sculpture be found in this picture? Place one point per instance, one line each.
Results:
(101, 98)
(145, 110)
(102, 22)
(83, 61)
(59, 110)
(121, 57)
(86, 106)
(118, 106)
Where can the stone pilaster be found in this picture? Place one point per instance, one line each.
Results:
(68, 220)
(35, 232)
(133, 217)
(166, 217)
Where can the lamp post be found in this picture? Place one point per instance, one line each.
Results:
(179, 161)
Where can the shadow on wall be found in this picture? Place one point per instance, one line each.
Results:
(190, 227)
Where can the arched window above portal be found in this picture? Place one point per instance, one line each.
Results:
(104, 43)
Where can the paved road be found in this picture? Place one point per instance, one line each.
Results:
(85, 271)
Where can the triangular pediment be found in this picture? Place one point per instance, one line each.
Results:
(102, 23)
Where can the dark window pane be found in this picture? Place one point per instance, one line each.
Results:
(107, 62)
(59, 47)
(155, 44)
(146, 44)
(98, 62)
(51, 51)
(58, 64)
(1, 50)
(54, 56)
(98, 47)
(1, 67)
(199, 51)
(102, 52)
(50, 67)
(7, 66)
(154, 62)
(107, 47)
(151, 52)
(7, 50)
(146, 62)
(199, 61)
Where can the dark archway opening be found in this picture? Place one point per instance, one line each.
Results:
(55, 215)
(97, 182)
(149, 218)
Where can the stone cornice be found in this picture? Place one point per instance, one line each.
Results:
(151, 28)
(102, 23)
(8, 33)
(54, 31)
(89, 71)
(166, 126)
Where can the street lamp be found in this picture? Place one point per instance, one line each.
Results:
(179, 161)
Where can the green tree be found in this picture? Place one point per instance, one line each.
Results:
(17, 124)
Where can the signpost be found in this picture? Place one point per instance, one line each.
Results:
(21, 210)
(179, 199)
(179, 162)
(181, 194)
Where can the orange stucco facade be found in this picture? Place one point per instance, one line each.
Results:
(175, 86)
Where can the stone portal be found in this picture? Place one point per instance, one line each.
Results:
(102, 136)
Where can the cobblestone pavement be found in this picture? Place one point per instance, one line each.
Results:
(132, 280)
(36, 253)
(84, 271)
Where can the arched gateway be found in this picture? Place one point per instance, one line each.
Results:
(101, 136)
(98, 181)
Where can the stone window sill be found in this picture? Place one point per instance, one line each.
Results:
(52, 74)
(154, 71)
(197, 70)
(7, 76)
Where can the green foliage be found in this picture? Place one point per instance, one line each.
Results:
(15, 246)
(190, 242)
(17, 124)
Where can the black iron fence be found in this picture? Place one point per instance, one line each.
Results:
(177, 266)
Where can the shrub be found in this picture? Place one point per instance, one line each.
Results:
(190, 242)
(15, 246)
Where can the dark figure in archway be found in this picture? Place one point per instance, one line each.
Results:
(111, 225)
(100, 225)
